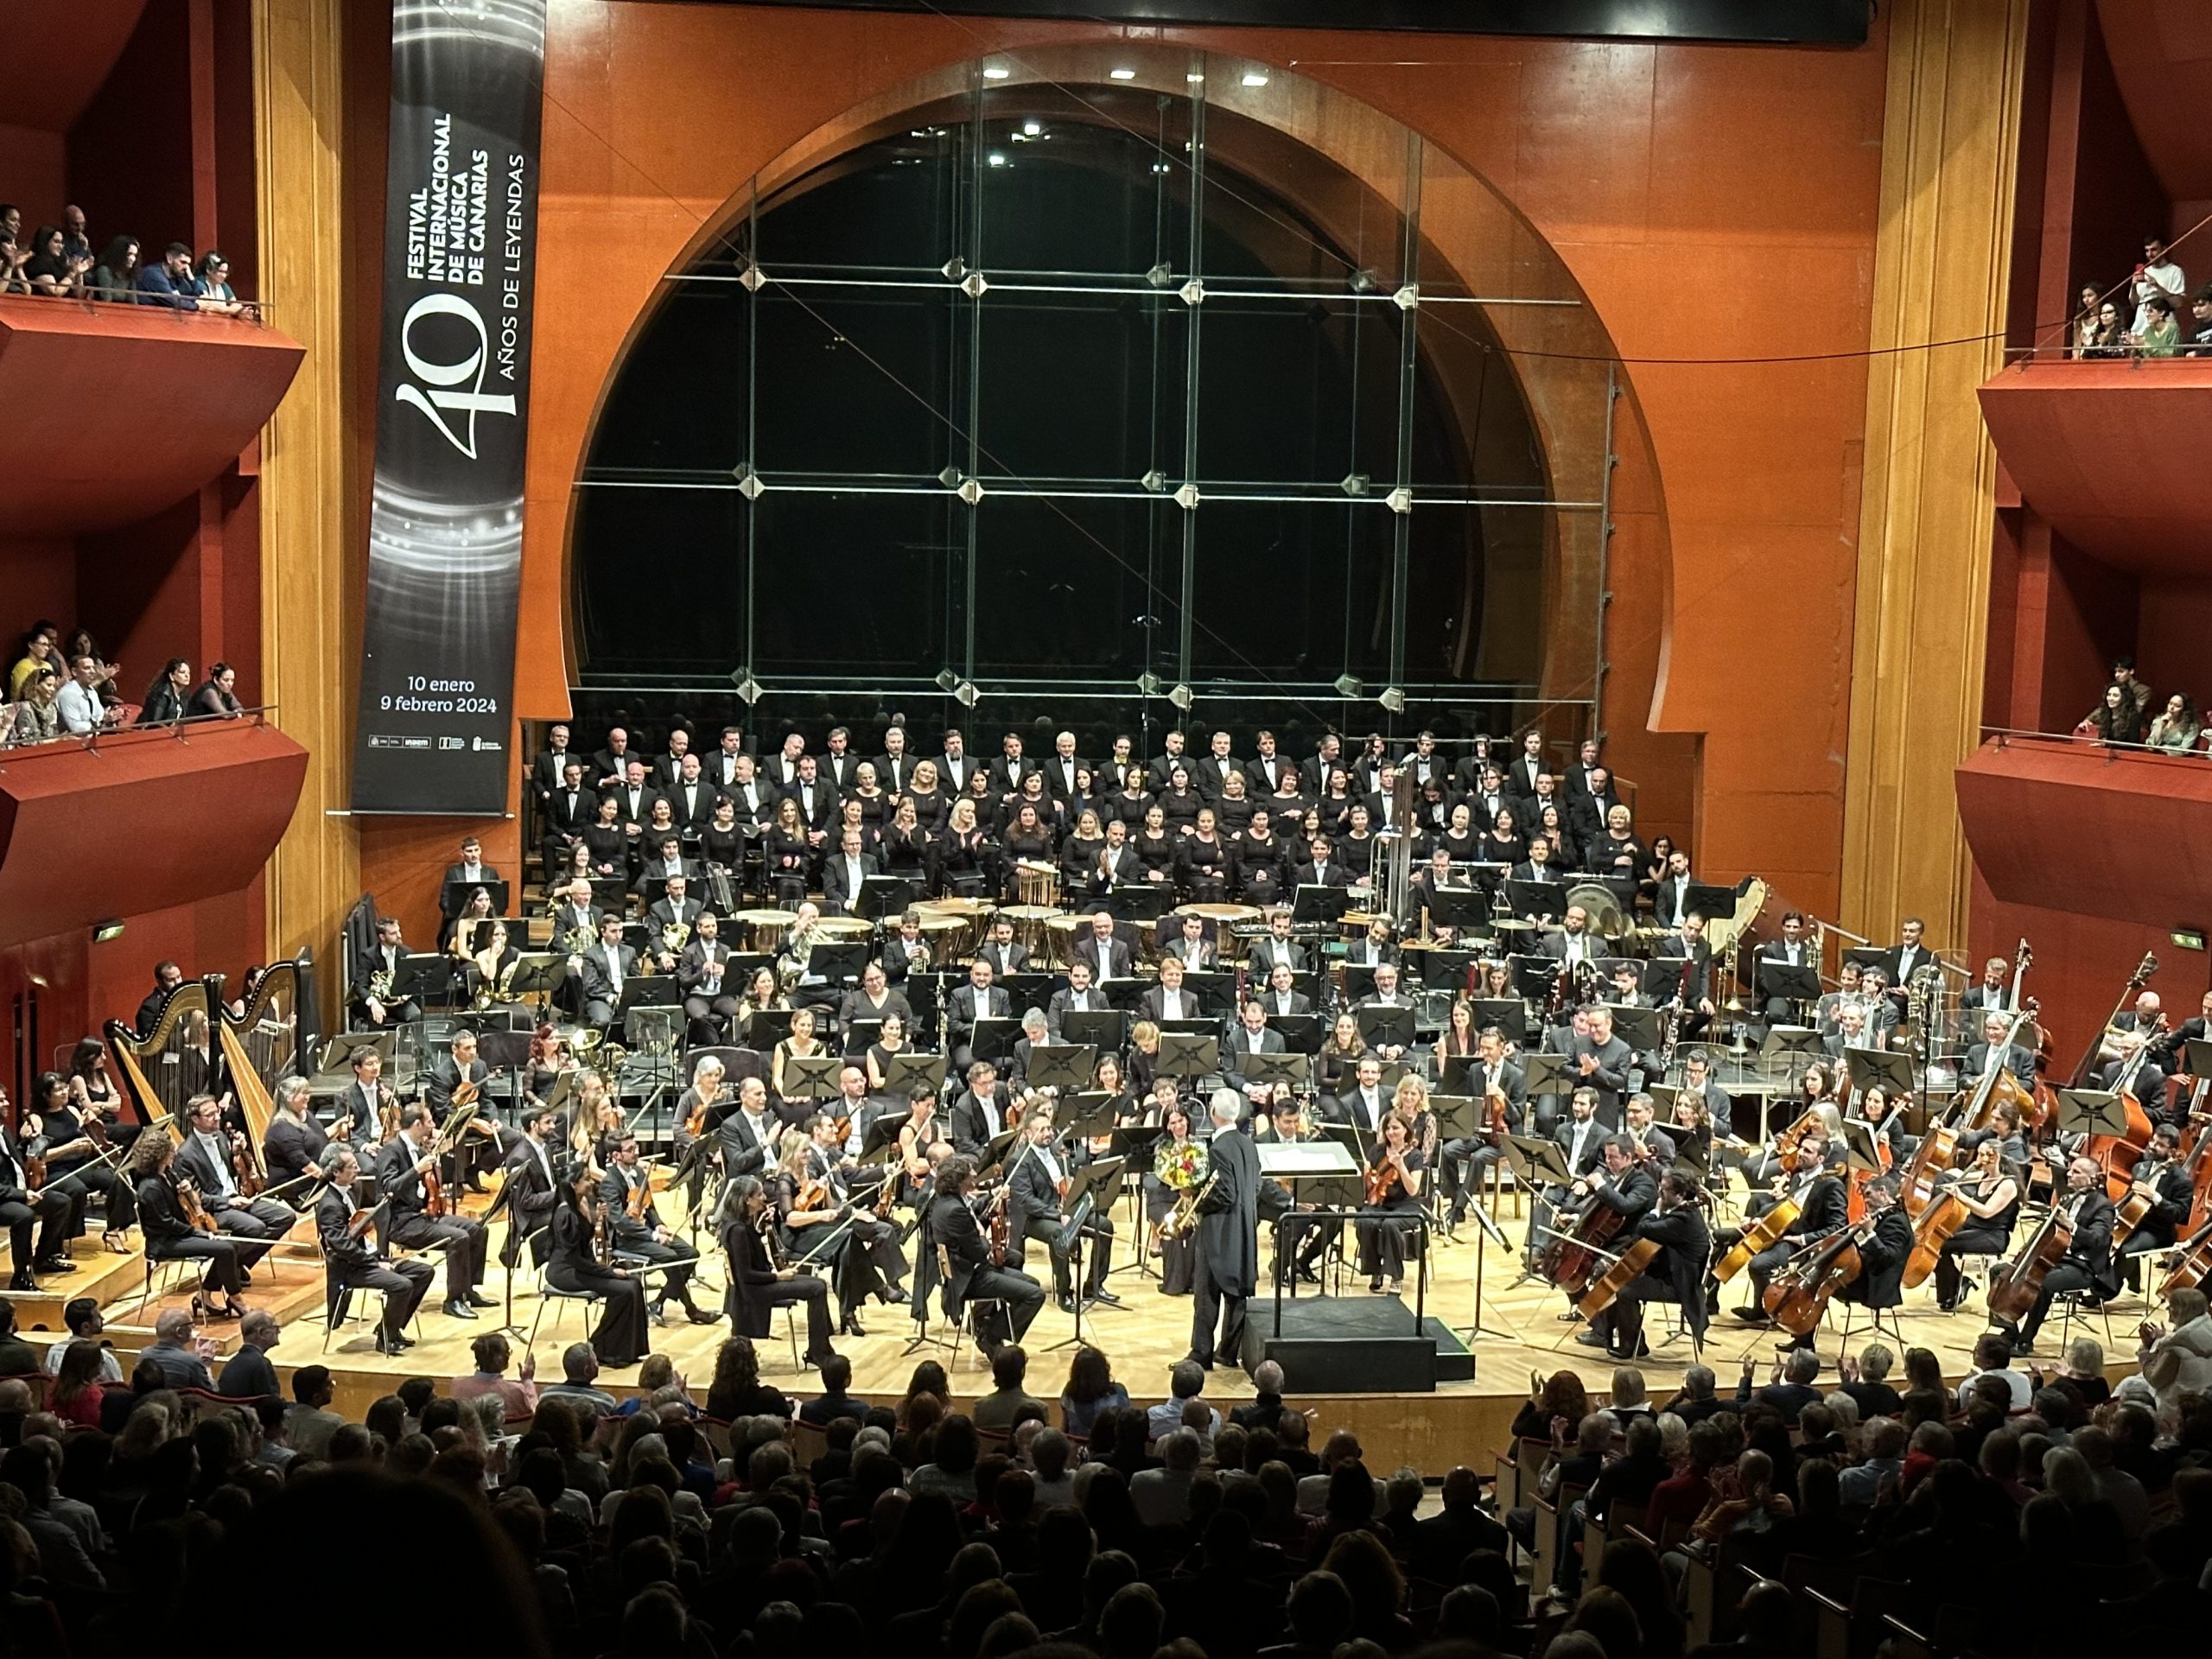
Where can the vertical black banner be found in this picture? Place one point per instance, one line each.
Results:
(453, 400)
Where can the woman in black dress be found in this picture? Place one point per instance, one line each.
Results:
(757, 1284)
(1080, 856)
(1029, 840)
(785, 855)
(1389, 1226)
(929, 803)
(905, 843)
(1154, 846)
(173, 1233)
(1180, 803)
(1128, 801)
(603, 839)
(1203, 865)
(965, 855)
(573, 1264)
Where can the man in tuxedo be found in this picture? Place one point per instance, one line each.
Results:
(206, 1158)
(1600, 1061)
(1383, 814)
(634, 795)
(1364, 1107)
(669, 767)
(1168, 1000)
(974, 1272)
(1994, 994)
(1387, 994)
(1670, 902)
(754, 801)
(955, 766)
(482, 1147)
(1528, 768)
(1184, 937)
(845, 872)
(1061, 770)
(1536, 866)
(1586, 812)
(1423, 761)
(1078, 997)
(567, 809)
(1266, 770)
(2134, 1070)
(817, 803)
(1467, 1159)
(691, 797)
(605, 969)
(1587, 778)
(1000, 952)
(1322, 870)
(1170, 756)
(904, 951)
(745, 1132)
(1581, 1139)
(530, 1192)
(1313, 776)
(1375, 948)
(551, 766)
(1439, 877)
(1627, 1185)
(839, 765)
(1572, 943)
(1248, 1036)
(703, 976)
(977, 1000)
(611, 764)
(2087, 1265)
(353, 1261)
(1486, 798)
(663, 861)
(1213, 772)
(782, 770)
(1033, 1212)
(1283, 994)
(399, 1173)
(1107, 956)
(1274, 946)
(359, 1115)
(1115, 865)
(721, 765)
(1910, 955)
(675, 907)
(640, 1234)
(894, 767)
(1792, 950)
(1010, 768)
(984, 1112)
(385, 957)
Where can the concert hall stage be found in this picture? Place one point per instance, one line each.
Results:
(1459, 1421)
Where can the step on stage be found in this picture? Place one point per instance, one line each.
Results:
(1354, 1344)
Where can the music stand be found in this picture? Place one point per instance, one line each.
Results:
(430, 977)
(993, 1040)
(909, 1069)
(1714, 903)
(1793, 982)
(2091, 1111)
(1867, 1066)
(1509, 1014)
(1868, 956)
(1640, 1028)
(1025, 989)
(1458, 907)
(1137, 901)
(1103, 1176)
(837, 961)
(1067, 1067)
(1785, 1040)
(1213, 989)
(811, 1076)
(1380, 1025)
(1537, 1163)
(454, 896)
(1533, 976)
(1543, 1074)
(1457, 1067)
(1300, 1032)
(1315, 905)
(1098, 1028)
(1359, 981)
(1534, 898)
(538, 974)
(1663, 977)
(1860, 1155)
(766, 1027)
(1443, 971)
(1291, 1069)
(883, 895)
(2198, 1057)
(1187, 1054)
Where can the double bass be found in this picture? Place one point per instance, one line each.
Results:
(2116, 1154)
(1938, 1151)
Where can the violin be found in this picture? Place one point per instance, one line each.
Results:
(696, 1124)
(640, 1198)
(1381, 1176)
(190, 1201)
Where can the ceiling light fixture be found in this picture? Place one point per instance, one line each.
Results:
(1121, 74)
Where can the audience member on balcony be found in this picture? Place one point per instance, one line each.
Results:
(2162, 335)
(73, 239)
(82, 711)
(214, 697)
(2113, 721)
(11, 221)
(2199, 309)
(165, 697)
(2158, 277)
(12, 261)
(170, 282)
(2084, 328)
(210, 287)
(37, 720)
(2177, 728)
(115, 279)
(52, 272)
(38, 653)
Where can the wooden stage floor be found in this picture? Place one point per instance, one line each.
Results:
(1460, 1423)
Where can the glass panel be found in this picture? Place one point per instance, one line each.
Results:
(693, 355)
(862, 382)
(640, 627)
(898, 208)
(1085, 183)
(860, 586)
(1298, 393)
(1128, 352)
(1063, 589)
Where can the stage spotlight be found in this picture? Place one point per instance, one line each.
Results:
(995, 72)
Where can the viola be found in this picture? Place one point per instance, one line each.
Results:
(189, 1200)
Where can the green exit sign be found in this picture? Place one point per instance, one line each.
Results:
(2188, 938)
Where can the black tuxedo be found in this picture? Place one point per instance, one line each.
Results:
(1308, 874)
(1210, 775)
(823, 811)
(971, 1272)
(1057, 1010)
(838, 771)
(353, 1262)
(841, 889)
(531, 1195)
(962, 1009)
(1007, 772)
(602, 994)
(894, 776)
(607, 765)
(1009, 958)
(1112, 964)
(952, 774)
(1059, 784)
(545, 771)
(399, 1184)
(1260, 961)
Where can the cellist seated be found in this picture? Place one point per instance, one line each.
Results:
(1677, 1225)
(1627, 1187)
(2086, 1264)
(1823, 1207)
(1884, 1245)
(2157, 1203)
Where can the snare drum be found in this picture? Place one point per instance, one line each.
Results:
(762, 931)
(1036, 885)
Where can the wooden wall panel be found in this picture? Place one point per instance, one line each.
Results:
(1950, 137)
(310, 605)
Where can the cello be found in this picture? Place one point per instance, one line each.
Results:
(1761, 1234)
(2016, 1284)
(1797, 1297)
(1571, 1259)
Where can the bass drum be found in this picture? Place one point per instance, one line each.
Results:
(1721, 931)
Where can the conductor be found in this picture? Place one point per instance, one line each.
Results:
(1226, 1270)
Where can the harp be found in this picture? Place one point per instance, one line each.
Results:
(158, 1071)
(260, 1043)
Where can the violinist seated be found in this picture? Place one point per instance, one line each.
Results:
(867, 1256)
(1989, 1191)
(1466, 1160)
(532, 1187)
(758, 1285)
(635, 1227)
(407, 1157)
(2162, 1191)
(485, 1140)
(703, 976)
(353, 1261)
(1389, 1226)
(1883, 1253)
(1676, 1225)
(172, 1232)
(210, 1158)
(2015, 1058)
(1388, 995)
(1301, 1242)
(1581, 1140)
(1625, 1185)
(1035, 1190)
(983, 1113)
(973, 1270)
(1654, 1145)
(2087, 1264)
(21, 1208)
(1823, 1207)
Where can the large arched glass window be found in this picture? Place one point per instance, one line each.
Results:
(1075, 394)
